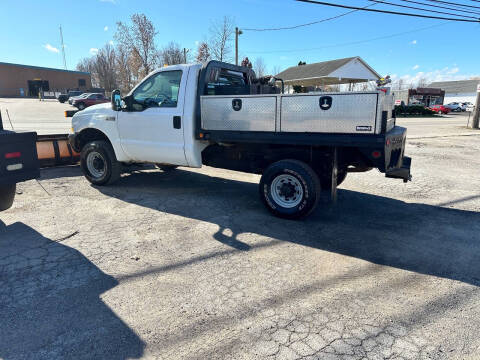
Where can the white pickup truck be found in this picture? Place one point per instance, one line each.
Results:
(222, 116)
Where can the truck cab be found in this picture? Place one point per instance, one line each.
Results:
(221, 115)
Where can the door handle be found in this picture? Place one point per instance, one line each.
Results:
(177, 122)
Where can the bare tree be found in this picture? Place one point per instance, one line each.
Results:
(124, 69)
(172, 54)
(276, 70)
(400, 84)
(105, 66)
(203, 52)
(259, 67)
(246, 63)
(102, 67)
(139, 38)
(221, 36)
(422, 82)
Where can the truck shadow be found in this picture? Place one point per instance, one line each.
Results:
(416, 237)
(50, 302)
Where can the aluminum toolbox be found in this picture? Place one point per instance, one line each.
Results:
(341, 113)
(239, 112)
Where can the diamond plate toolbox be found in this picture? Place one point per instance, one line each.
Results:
(329, 113)
(239, 113)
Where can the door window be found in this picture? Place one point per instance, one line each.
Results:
(159, 90)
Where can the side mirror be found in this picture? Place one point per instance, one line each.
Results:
(116, 100)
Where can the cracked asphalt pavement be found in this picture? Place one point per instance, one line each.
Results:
(188, 264)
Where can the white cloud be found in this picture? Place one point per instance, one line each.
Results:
(105, 28)
(51, 48)
(445, 74)
(111, 42)
(93, 51)
(415, 67)
(414, 42)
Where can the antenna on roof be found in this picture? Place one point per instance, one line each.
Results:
(63, 49)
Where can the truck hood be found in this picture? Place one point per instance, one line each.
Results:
(92, 114)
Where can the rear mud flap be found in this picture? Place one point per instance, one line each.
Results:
(402, 172)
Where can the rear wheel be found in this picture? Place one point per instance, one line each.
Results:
(99, 163)
(290, 189)
(7, 195)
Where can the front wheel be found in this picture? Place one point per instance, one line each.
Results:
(7, 195)
(99, 163)
(81, 106)
(290, 189)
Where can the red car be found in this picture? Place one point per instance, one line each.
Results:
(440, 109)
(92, 99)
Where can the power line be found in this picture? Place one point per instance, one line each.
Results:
(441, 7)
(308, 24)
(386, 11)
(421, 9)
(456, 4)
(350, 43)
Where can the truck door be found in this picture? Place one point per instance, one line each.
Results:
(152, 131)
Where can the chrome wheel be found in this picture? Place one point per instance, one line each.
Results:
(96, 164)
(286, 191)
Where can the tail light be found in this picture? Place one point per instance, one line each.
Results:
(13, 155)
(376, 154)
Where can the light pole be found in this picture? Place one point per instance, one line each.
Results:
(238, 32)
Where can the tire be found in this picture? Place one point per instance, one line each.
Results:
(99, 163)
(7, 195)
(81, 106)
(290, 189)
(166, 167)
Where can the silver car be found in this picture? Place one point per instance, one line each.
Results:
(455, 106)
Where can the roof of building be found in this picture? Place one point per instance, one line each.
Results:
(457, 87)
(44, 68)
(320, 70)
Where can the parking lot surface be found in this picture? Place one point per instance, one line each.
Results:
(45, 117)
(189, 265)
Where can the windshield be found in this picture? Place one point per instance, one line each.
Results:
(160, 89)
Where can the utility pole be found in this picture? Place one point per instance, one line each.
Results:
(238, 32)
(476, 110)
(63, 49)
(185, 51)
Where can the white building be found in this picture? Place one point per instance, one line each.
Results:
(458, 91)
(351, 70)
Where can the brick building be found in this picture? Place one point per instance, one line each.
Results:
(25, 80)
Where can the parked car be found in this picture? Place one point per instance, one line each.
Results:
(89, 100)
(82, 95)
(64, 97)
(440, 109)
(456, 106)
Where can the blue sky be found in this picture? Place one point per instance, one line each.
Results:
(29, 33)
